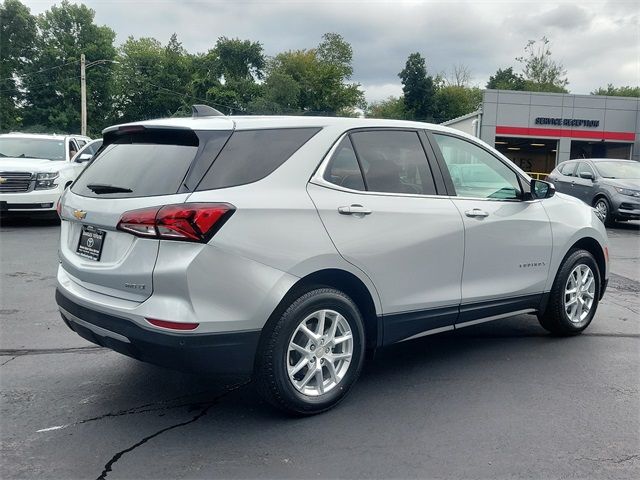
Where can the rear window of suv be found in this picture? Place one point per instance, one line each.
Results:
(141, 164)
(251, 155)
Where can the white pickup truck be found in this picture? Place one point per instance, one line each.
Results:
(35, 169)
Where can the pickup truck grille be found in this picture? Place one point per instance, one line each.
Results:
(15, 182)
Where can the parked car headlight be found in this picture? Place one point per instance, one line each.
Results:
(46, 180)
(628, 191)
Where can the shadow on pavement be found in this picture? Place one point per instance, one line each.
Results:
(631, 226)
(13, 220)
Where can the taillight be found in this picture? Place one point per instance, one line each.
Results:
(191, 222)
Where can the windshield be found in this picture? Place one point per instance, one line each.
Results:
(21, 147)
(624, 170)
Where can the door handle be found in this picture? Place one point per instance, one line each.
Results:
(476, 212)
(354, 209)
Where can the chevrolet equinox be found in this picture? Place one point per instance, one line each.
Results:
(287, 247)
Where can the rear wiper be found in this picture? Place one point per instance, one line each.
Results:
(100, 188)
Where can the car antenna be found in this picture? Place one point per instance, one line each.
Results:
(205, 111)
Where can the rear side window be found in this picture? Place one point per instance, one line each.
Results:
(343, 168)
(139, 165)
(251, 155)
(393, 162)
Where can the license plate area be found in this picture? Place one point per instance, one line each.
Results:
(91, 242)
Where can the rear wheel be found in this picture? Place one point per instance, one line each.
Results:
(574, 297)
(311, 356)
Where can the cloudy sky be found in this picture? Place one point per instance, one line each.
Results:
(598, 41)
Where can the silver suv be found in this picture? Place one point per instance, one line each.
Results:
(286, 247)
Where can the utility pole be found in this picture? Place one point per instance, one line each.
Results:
(83, 96)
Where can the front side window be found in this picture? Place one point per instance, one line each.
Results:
(393, 162)
(475, 172)
(343, 168)
(584, 168)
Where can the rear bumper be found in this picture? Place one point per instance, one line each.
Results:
(219, 353)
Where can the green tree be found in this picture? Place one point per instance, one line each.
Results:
(152, 80)
(541, 72)
(280, 95)
(392, 107)
(618, 91)
(18, 34)
(506, 80)
(454, 101)
(226, 75)
(418, 88)
(321, 76)
(53, 95)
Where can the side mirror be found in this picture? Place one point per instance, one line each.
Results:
(586, 175)
(85, 157)
(541, 189)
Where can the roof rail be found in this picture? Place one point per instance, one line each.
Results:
(205, 111)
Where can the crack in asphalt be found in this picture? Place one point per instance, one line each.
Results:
(159, 406)
(626, 458)
(4, 363)
(108, 467)
(18, 352)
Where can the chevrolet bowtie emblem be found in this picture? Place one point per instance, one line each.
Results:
(3, 180)
(79, 214)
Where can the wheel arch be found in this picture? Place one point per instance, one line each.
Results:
(346, 282)
(598, 196)
(592, 246)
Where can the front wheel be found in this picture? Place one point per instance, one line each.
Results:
(311, 356)
(574, 296)
(603, 211)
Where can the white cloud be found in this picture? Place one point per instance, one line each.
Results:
(598, 41)
(377, 92)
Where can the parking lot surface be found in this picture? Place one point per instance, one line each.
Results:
(502, 399)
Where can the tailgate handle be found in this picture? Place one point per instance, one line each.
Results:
(354, 209)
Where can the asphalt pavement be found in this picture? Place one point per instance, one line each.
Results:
(498, 400)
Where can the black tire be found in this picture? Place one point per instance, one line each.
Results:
(270, 374)
(605, 206)
(554, 319)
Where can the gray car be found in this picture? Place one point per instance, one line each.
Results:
(287, 247)
(611, 186)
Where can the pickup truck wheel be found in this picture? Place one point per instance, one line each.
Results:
(311, 356)
(574, 296)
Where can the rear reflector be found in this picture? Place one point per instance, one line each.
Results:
(172, 325)
(191, 222)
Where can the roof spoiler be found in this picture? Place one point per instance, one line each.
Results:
(205, 111)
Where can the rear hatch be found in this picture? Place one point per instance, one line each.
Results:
(137, 168)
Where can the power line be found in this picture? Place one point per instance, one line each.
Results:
(43, 70)
(44, 83)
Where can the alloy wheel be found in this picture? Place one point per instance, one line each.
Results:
(579, 293)
(319, 352)
(602, 210)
